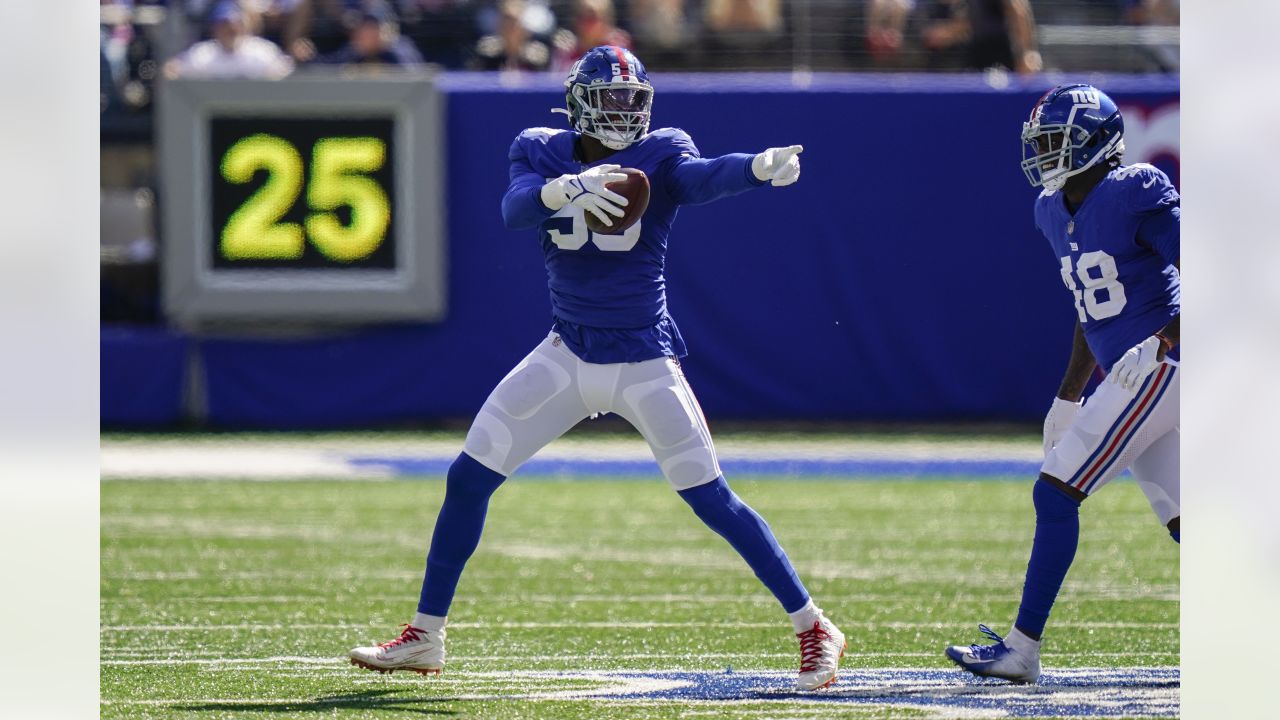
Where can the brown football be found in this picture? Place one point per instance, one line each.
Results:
(636, 190)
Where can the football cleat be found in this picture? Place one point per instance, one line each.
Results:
(820, 651)
(1019, 665)
(421, 651)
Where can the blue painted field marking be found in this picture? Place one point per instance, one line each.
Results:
(1080, 692)
(802, 467)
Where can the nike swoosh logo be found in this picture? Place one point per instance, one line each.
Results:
(1149, 183)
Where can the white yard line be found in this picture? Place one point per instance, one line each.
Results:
(248, 662)
(1109, 594)
(869, 625)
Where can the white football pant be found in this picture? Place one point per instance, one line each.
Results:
(1117, 429)
(552, 390)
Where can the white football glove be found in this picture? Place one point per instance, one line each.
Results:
(1061, 414)
(780, 166)
(1136, 364)
(587, 190)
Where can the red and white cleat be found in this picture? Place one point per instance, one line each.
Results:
(820, 651)
(421, 651)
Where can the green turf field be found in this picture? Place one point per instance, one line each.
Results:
(240, 599)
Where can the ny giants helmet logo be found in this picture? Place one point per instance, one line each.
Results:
(1086, 98)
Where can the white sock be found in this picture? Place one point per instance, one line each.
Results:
(804, 618)
(1019, 641)
(429, 622)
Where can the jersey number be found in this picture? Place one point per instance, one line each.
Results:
(568, 230)
(1099, 294)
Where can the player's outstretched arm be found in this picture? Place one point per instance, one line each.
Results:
(696, 180)
(1067, 402)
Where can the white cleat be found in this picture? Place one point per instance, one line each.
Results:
(820, 651)
(421, 651)
(1015, 658)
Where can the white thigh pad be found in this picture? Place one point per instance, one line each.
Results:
(662, 407)
(534, 404)
(530, 386)
(665, 417)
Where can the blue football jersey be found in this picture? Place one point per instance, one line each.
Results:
(1118, 254)
(608, 292)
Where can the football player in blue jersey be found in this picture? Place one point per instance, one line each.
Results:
(1115, 230)
(613, 346)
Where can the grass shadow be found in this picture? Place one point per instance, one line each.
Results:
(364, 700)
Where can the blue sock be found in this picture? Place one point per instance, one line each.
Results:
(1175, 535)
(724, 512)
(1057, 533)
(457, 533)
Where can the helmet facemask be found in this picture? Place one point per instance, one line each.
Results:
(615, 113)
(1050, 152)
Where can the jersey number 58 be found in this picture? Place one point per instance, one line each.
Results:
(1099, 294)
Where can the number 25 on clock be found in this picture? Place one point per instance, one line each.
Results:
(340, 168)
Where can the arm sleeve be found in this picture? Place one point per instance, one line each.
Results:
(694, 180)
(522, 206)
(1157, 203)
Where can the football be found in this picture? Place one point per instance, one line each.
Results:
(636, 190)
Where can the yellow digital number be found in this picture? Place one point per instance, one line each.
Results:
(338, 168)
(253, 232)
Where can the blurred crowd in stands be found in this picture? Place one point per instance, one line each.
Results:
(142, 39)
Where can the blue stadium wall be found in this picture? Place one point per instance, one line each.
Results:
(902, 278)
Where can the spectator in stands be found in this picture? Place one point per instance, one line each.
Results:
(593, 25)
(744, 33)
(130, 56)
(1152, 12)
(662, 29)
(374, 40)
(983, 33)
(444, 31)
(233, 51)
(744, 16)
(321, 27)
(1165, 56)
(886, 21)
(513, 47)
(272, 19)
